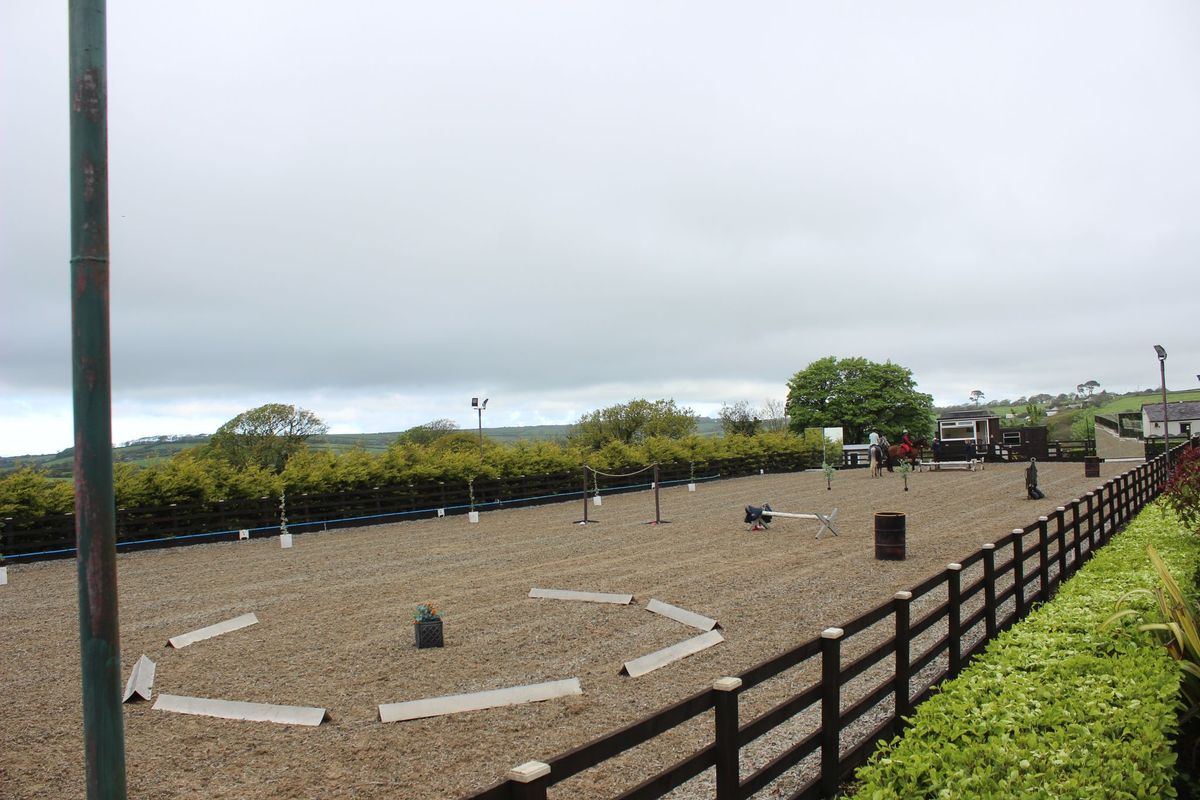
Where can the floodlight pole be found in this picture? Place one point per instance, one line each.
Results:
(95, 525)
(1162, 371)
(479, 407)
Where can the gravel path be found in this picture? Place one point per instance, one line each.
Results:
(335, 632)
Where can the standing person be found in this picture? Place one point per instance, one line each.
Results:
(937, 448)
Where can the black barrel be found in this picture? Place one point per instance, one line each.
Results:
(889, 536)
(1091, 467)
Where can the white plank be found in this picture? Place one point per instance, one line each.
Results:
(234, 709)
(590, 597)
(682, 615)
(458, 703)
(141, 680)
(184, 639)
(660, 658)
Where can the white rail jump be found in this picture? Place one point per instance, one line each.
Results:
(760, 518)
(971, 465)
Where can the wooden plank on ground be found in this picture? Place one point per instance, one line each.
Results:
(141, 680)
(184, 639)
(660, 658)
(682, 615)
(458, 703)
(590, 597)
(234, 709)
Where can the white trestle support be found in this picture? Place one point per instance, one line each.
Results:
(141, 680)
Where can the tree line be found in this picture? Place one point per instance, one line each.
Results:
(264, 451)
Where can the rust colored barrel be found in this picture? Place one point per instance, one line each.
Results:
(889, 536)
(1091, 467)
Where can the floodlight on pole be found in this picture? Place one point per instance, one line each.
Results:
(479, 407)
(1162, 371)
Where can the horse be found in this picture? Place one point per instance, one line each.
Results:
(875, 456)
(896, 452)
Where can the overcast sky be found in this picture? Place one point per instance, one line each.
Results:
(378, 210)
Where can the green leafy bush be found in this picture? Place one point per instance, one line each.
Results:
(1056, 707)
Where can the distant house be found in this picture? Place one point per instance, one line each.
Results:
(1183, 419)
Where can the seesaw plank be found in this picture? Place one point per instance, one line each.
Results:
(475, 701)
(590, 597)
(184, 639)
(682, 615)
(234, 709)
(660, 658)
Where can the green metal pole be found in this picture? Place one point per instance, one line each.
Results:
(95, 529)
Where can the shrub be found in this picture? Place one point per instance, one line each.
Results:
(1182, 490)
(1056, 706)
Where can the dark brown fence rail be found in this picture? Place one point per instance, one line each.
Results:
(935, 629)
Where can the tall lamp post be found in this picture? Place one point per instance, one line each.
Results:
(479, 407)
(1162, 371)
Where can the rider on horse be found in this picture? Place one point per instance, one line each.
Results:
(906, 444)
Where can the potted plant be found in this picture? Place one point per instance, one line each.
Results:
(427, 626)
(829, 471)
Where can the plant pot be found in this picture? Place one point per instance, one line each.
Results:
(428, 633)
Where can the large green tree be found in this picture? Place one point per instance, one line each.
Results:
(631, 423)
(858, 395)
(266, 436)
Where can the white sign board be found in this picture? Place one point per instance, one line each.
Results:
(3, 576)
(243, 534)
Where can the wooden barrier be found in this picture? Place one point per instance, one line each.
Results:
(973, 600)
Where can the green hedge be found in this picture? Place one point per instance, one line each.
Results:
(1056, 707)
(193, 477)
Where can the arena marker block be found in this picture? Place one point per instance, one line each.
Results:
(589, 597)
(184, 639)
(660, 658)
(597, 500)
(441, 512)
(234, 709)
(682, 615)
(243, 534)
(473, 516)
(285, 540)
(476, 701)
(141, 680)
(3, 576)
(691, 487)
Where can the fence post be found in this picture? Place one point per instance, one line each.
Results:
(901, 603)
(1091, 519)
(1044, 557)
(831, 711)
(726, 742)
(1061, 534)
(1019, 572)
(1075, 533)
(954, 624)
(989, 590)
(529, 780)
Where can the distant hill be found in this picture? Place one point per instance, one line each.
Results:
(151, 449)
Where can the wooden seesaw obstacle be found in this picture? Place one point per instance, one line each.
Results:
(759, 518)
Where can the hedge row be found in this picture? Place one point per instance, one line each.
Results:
(1056, 707)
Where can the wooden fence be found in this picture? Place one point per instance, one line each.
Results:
(920, 637)
(193, 523)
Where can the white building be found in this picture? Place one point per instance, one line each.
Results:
(1183, 419)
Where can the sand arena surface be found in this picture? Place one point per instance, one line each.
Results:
(335, 631)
